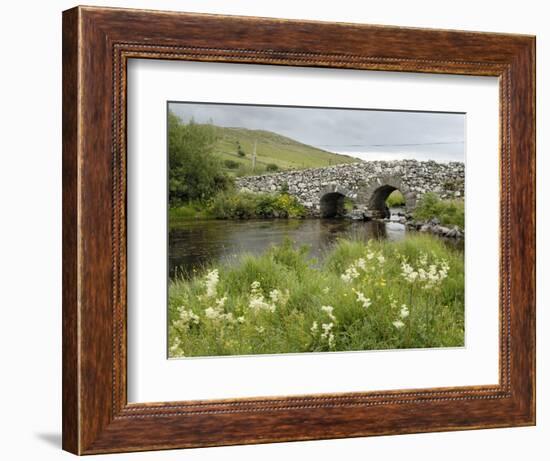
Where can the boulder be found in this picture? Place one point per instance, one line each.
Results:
(455, 233)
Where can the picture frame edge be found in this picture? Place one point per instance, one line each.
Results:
(96, 416)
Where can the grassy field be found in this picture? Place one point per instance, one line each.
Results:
(380, 295)
(271, 149)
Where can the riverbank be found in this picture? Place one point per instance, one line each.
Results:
(198, 244)
(255, 205)
(241, 205)
(362, 296)
(443, 218)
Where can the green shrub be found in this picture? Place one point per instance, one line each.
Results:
(240, 205)
(266, 205)
(245, 205)
(449, 212)
(289, 207)
(272, 167)
(231, 164)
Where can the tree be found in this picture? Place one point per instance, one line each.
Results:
(240, 150)
(195, 173)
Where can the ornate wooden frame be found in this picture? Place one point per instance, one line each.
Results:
(97, 43)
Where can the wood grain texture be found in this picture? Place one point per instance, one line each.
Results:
(70, 383)
(97, 43)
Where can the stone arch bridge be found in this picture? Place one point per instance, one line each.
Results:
(323, 191)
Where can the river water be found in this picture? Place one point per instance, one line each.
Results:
(196, 243)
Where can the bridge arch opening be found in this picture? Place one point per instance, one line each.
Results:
(378, 200)
(333, 204)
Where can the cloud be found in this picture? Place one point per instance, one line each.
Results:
(366, 134)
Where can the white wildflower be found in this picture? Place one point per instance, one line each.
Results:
(257, 302)
(228, 317)
(370, 255)
(212, 313)
(346, 278)
(361, 298)
(329, 311)
(326, 290)
(361, 263)
(241, 319)
(211, 282)
(255, 287)
(175, 347)
(260, 329)
(381, 259)
(260, 304)
(279, 297)
(216, 314)
(434, 275)
(327, 327)
(404, 312)
(187, 317)
(408, 272)
(444, 270)
(428, 276)
(275, 295)
(327, 333)
(398, 324)
(422, 274)
(314, 328)
(350, 274)
(393, 302)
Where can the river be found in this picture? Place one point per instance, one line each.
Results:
(196, 243)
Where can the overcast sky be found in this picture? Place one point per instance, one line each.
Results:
(366, 134)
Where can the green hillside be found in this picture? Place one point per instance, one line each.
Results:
(273, 152)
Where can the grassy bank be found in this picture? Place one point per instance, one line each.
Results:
(190, 210)
(381, 295)
(240, 205)
(449, 212)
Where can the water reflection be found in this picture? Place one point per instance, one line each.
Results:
(194, 244)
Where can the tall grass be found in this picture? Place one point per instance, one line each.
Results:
(193, 209)
(380, 295)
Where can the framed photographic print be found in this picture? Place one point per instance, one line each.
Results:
(284, 230)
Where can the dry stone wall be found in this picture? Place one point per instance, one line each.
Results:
(367, 183)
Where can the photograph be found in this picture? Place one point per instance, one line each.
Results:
(313, 229)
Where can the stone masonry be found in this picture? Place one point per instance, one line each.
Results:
(323, 191)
